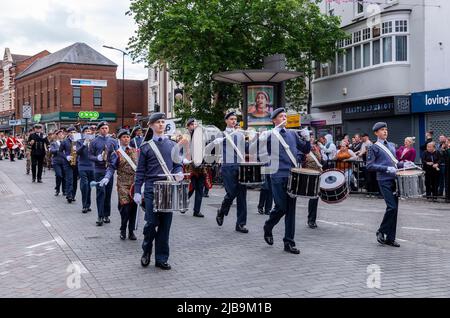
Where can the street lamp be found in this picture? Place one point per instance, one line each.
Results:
(123, 79)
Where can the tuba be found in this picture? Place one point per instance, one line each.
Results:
(73, 154)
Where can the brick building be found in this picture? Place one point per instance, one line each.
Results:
(10, 66)
(74, 80)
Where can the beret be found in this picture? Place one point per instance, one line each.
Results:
(379, 125)
(190, 121)
(37, 126)
(276, 112)
(229, 114)
(123, 132)
(71, 128)
(156, 116)
(85, 128)
(101, 124)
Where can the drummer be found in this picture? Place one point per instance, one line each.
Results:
(381, 158)
(148, 171)
(284, 204)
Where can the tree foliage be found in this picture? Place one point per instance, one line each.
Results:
(197, 38)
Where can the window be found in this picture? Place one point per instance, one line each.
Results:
(366, 34)
(401, 48)
(357, 37)
(317, 70)
(42, 100)
(325, 69)
(359, 7)
(348, 59)
(376, 31)
(340, 43)
(333, 66)
(76, 96)
(387, 49)
(357, 57)
(348, 41)
(340, 66)
(35, 101)
(366, 55)
(376, 52)
(401, 26)
(48, 99)
(155, 73)
(97, 97)
(387, 27)
(55, 97)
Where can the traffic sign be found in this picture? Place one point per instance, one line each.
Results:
(27, 111)
(14, 122)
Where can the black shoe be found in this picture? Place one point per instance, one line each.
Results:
(64, 194)
(34, 180)
(69, 200)
(241, 228)
(164, 266)
(380, 238)
(56, 193)
(205, 195)
(199, 215)
(312, 225)
(88, 210)
(132, 237)
(260, 211)
(73, 200)
(392, 243)
(268, 237)
(267, 213)
(84, 211)
(291, 249)
(99, 222)
(40, 181)
(219, 218)
(106, 219)
(145, 259)
(123, 235)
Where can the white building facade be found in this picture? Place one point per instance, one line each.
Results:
(397, 55)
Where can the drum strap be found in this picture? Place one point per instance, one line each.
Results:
(387, 151)
(234, 146)
(127, 158)
(160, 159)
(285, 146)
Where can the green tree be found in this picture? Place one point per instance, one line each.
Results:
(198, 38)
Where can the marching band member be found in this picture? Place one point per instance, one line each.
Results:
(136, 137)
(124, 161)
(230, 173)
(58, 162)
(11, 142)
(38, 143)
(99, 150)
(381, 158)
(158, 224)
(284, 204)
(197, 175)
(69, 150)
(85, 167)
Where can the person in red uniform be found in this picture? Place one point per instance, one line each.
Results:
(11, 142)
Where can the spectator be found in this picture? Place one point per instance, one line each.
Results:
(407, 152)
(356, 144)
(447, 174)
(442, 148)
(429, 138)
(343, 156)
(430, 161)
(329, 149)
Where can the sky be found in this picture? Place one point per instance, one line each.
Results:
(28, 27)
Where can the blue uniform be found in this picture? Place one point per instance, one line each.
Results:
(58, 165)
(378, 160)
(86, 173)
(103, 194)
(284, 204)
(157, 225)
(230, 175)
(136, 142)
(70, 172)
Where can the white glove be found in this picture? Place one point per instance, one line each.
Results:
(103, 182)
(69, 158)
(186, 162)
(179, 176)
(264, 135)
(218, 141)
(391, 170)
(408, 164)
(137, 198)
(305, 134)
(100, 158)
(85, 142)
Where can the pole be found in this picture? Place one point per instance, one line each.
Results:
(26, 125)
(123, 88)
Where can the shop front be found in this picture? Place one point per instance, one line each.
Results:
(324, 123)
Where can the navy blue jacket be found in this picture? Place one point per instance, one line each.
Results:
(96, 148)
(379, 161)
(57, 155)
(149, 168)
(136, 142)
(83, 161)
(66, 148)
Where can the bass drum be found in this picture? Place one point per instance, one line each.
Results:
(201, 137)
(333, 186)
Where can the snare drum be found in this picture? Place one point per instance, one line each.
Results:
(411, 183)
(250, 173)
(333, 186)
(171, 196)
(303, 183)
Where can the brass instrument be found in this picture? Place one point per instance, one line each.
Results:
(105, 156)
(73, 154)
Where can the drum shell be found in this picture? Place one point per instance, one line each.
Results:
(170, 196)
(411, 186)
(303, 183)
(336, 194)
(251, 174)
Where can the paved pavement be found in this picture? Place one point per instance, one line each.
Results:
(50, 249)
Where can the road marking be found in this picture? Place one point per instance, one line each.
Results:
(46, 223)
(60, 241)
(332, 223)
(428, 214)
(83, 269)
(22, 212)
(4, 273)
(40, 244)
(401, 240)
(32, 266)
(419, 228)
(348, 223)
(6, 262)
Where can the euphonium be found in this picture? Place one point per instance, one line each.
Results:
(73, 154)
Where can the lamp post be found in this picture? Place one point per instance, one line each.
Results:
(123, 79)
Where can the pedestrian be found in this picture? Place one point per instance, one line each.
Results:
(407, 151)
(313, 164)
(442, 147)
(431, 160)
(39, 144)
(428, 139)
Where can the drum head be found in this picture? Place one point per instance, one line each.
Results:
(197, 146)
(410, 173)
(305, 171)
(331, 179)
